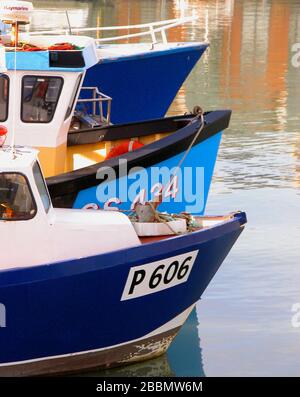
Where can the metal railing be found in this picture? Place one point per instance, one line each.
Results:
(152, 29)
(98, 98)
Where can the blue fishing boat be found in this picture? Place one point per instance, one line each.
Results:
(87, 161)
(143, 83)
(189, 152)
(86, 289)
(142, 78)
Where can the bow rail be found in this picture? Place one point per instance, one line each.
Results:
(152, 29)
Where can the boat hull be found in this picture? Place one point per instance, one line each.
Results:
(144, 85)
(79, 314)
(192, 186)
(128, 353)
(136, 175)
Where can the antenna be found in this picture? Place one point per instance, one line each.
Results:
(13, 134)
(14, 13)
(69, 24)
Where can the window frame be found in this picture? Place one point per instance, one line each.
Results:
(6, 77)
(36, 164)
(32, 197)
(73, 98)
(58, 97)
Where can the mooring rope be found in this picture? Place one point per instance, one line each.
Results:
(164, 218)
(199, 114)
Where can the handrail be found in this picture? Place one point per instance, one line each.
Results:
(153, 27)
(98, 98)
(118, 27)
(151, 32)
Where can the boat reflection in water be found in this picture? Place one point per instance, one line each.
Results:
(156, 367)
(185, 353)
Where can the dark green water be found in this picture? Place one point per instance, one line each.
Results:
(243, 325)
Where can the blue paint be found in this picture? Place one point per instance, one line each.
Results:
(196, 174)
(75, 305)
(40, 60)
(144, 86)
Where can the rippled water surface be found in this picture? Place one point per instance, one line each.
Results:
(242, 326)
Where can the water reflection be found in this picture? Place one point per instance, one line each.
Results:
(249, 70)
(185, 354)
(151, 368)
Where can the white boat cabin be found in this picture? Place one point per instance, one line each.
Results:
(38, 96)
(39, 87)
(34, 233)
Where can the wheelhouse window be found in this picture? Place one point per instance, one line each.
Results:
(40, 95)
(40, 182)
(4, 90)
(16, 200)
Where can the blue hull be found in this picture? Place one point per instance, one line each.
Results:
(141, 174)
(144, 86)
(76, 306)
(194, 179)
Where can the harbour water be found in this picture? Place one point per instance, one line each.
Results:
(243, 325)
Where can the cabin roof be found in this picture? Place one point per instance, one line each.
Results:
(80, 59)
(14, 159)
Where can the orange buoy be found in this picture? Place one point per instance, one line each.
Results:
(3, 130)
(61, 46)
(31, 47)
(122, 148)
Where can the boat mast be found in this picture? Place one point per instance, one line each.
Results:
(15, 13)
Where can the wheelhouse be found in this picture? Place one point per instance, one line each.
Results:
(39, 92)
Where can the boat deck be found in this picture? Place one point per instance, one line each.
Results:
(204, 222)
